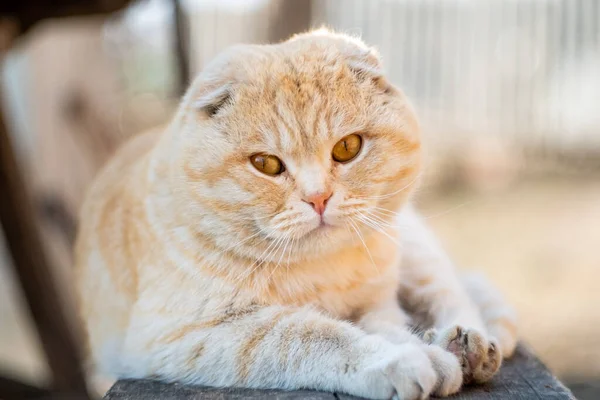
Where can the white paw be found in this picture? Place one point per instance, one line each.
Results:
(411, 373)
(480, 358)
(448, 370)
(404, 371)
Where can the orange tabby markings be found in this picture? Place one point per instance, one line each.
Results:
(227, 316)
(425, 281)
(248, 348)
(194, 266)
(195, 354)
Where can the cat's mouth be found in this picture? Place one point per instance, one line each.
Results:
(316, 230)
(323, 227)
(323, 223)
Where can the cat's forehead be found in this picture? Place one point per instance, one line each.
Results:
(298, 71)
(300, 117)
(295, 97)
(299, 109)
(299, 82)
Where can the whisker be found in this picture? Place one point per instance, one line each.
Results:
(364, 244)
(291, 248)
(384, 210)
(387, 195)
(260, 230)
(259, 260)
(376, 227)
(449, 210)
(255, 218)
(380, 219)
(287, 265)
(289, 224)
(284, 243)
(287, 242)
(243, 241)
(348, 203)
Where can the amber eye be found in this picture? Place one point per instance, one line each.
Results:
(347, 148)
(267, 164)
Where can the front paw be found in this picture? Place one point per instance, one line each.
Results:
(419, 371)
(480, 358)
(448, 370)
(411, 373)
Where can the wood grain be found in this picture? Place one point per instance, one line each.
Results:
(523, 377)
(151, 390)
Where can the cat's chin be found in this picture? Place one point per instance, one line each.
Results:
(324, 236)
(323, 228)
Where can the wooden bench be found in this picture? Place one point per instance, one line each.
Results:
(522, 377)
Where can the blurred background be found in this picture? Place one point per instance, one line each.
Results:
(508, 94)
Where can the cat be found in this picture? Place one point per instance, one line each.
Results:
(265, 239)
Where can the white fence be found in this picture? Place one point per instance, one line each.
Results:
(527, 71)
(526, 68)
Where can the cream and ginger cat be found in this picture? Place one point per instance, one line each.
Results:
(264, 239)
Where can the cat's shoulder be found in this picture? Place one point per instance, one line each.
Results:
(134, 148)
(118, 168)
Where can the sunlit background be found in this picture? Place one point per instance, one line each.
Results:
(508, 93)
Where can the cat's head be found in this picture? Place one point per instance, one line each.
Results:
(286, 151)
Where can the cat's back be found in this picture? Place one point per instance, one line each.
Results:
(104, 258)
(130, 154)
(113, 181)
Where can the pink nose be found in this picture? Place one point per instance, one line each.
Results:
(318, 201)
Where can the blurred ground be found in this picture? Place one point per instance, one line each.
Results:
(538, 240)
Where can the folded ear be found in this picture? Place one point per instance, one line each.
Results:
(210, 103)
(213, 90)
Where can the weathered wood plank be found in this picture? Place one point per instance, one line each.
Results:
(150, 390)
(523, 377)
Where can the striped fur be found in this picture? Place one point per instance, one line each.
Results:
(193, 266)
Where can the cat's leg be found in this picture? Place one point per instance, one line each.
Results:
(388, 320)
(430, 283)
(276, 347)
(499, 318)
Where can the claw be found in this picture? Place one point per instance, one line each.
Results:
(478, 357)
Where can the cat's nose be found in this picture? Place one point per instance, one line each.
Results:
(318, 201)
